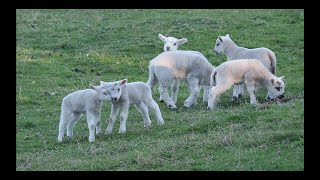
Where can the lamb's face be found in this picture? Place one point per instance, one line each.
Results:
(171, 43)
(103, 93)
(113, 89)
(219, 46)
(276, 89)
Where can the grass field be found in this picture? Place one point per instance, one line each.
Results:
(61, 51)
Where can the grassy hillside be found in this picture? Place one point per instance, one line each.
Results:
(61, 51)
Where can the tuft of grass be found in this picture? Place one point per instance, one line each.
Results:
(61, 51)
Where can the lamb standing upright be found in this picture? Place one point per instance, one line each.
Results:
(171, 44)
(123, 94)
(225, 45)
(87, 101)
(250, 71)
(184, 65)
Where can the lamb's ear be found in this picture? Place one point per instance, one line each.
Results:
(282, 78)
(220, 38)
(272, 81)
(103, 83)
(227, 35)
(182, 41)
(96, 88)
(123, 82)
(162, 37)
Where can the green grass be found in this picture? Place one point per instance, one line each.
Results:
(111, 45)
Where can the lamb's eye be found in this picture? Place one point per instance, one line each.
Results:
(118, 89)
(278, 88)
(104, 93)
(218, 44)
(175, 44)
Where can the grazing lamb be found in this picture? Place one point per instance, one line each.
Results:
(182, 65)
(249, 71)
(123, 94)
(170, 44)
(86, 101)
(224, 45)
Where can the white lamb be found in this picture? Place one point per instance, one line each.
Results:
(181, 65)
(249, 71)
(86, 101)
(225, 45)
(170, 44)
(123, 94)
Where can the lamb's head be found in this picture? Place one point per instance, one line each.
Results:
(103, 93)
(221, 43)
(276, 88)
(171, 43)
(110, 91)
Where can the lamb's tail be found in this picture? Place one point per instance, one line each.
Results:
(213, 77)
(273, 62)
(152, 78)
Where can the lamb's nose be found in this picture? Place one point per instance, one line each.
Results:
(168, 48)
(281, 96)
(114, 99)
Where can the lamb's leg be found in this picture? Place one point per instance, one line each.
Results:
(152, 81)
(112, 118)
(163, 90)
(91, 118)
(194, 94)
(215, 92)
(123, 117)
(154, 106)
(252, 92)
(236, 92)
(64, 118)
(161, 99)
(200, 90)
(98, 123)
(241, 90)
(73, 119)
(249, 81)
(206, 90)
(174, 90)
(143, 109)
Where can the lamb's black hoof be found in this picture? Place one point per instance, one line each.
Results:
(172, 107)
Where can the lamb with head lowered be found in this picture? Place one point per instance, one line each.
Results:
(180, 65)
(225, 45)
(249, 71)
(122, 95)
